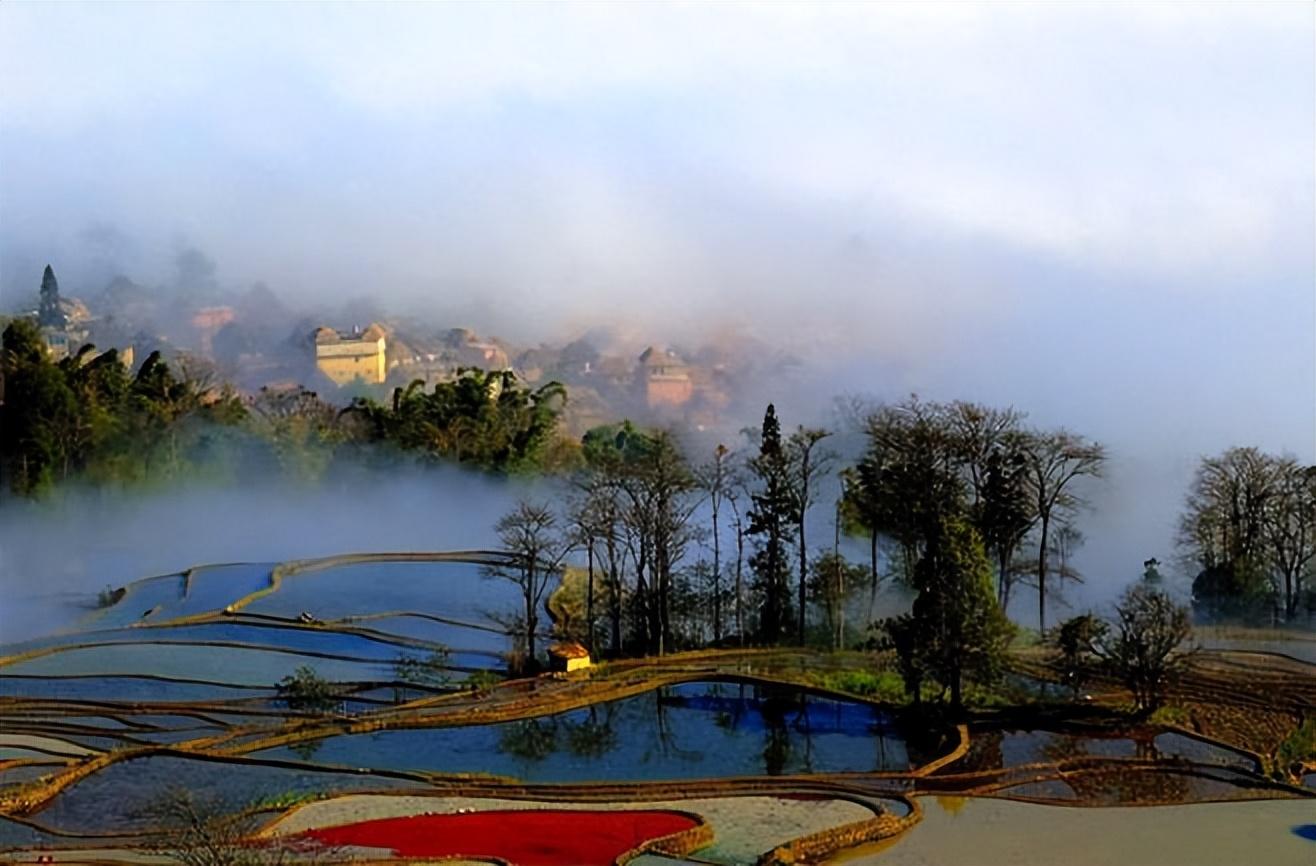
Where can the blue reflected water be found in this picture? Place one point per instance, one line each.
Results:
(696, 730)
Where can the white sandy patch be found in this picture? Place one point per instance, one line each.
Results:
(743, 827)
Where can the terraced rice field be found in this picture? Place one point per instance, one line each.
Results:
(724, 757)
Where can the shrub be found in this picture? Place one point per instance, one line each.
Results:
(886, 686)
(478, 680)
(1298, 747)
(305, 690)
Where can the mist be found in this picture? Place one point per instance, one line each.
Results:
(56, 555)
(1104, 216)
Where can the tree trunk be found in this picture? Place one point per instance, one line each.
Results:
(1041, 575)
(717, 579)
(531, 618)
(1005, 580)
(740, 595)
(614, 595)
(804, 572)
(872, 552)
(589, 598)
(839, 638)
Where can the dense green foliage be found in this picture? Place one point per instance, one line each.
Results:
(304, 690)
(1298, 747)
(1074, 640)
(90, 417)
(956, 632)
(485, 419)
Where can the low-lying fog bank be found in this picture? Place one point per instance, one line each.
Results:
(55, 556)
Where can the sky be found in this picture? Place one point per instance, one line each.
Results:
(1101, 214)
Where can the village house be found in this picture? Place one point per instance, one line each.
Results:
(664, 378)
(344, 358)
(568, 656)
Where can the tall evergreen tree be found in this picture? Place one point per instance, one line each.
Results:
(51, 314)
(770, 517)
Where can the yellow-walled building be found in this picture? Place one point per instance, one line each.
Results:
(346, 357)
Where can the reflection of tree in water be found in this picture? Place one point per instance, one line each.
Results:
(529, 740)
(306, 749)
(1124, 785)
(729, 721)
(985, 753)
(1145, 747)
(594, 736)
(665, 738)
(1063, 747)
(783, 710)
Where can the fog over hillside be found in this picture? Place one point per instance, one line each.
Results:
(1101, 215)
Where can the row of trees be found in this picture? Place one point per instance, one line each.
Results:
(89, 416)
(937, 488)
(927, 464)
(1248, 534)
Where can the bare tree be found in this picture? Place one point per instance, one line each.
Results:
(717, 479)
(1224, 522)
(201, 832)
(1143, 647)
(809, 464)
(659, 485)
(529, 532)
(1291, 530)
(596, 519)
(1055, 460)
(737, 521)
(1252, 516)
(979, 432)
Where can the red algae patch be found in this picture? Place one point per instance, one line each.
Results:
(541, 837)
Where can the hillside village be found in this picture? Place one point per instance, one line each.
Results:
(254, 341)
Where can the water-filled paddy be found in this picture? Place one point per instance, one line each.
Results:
(1105, 787)
(314, 640)
(1298, 648)
(17, 835)
(454, 589)
(124, 688)
(120, 796)
(996, 749)
(696, 730)
(450, 634)
(142, 598)
(214, 587)
(234, 665)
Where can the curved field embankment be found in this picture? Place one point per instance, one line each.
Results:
(1244, 701)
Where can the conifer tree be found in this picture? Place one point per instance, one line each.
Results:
(51, 314)
(770, 517)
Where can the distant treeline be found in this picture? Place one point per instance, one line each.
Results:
(89, 417)
(1248, 533)
(934, 483)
